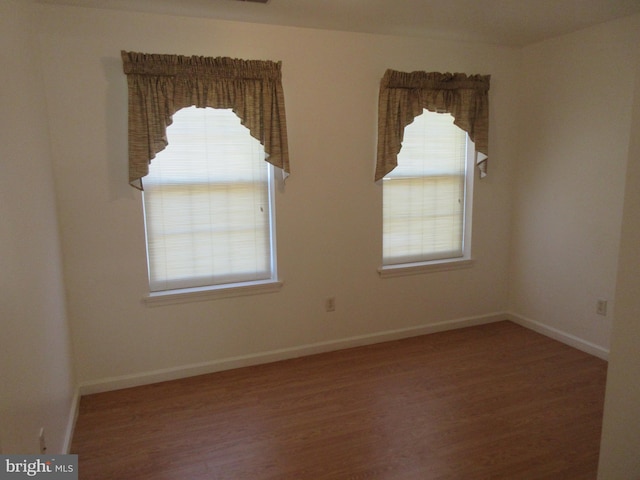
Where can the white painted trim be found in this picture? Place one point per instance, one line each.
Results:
(161, 375)
(197, 294)
(71, 421)
(404, 269)
(556, 334)
(126, 381)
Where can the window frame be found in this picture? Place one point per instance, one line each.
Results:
(228, 289)
(451, 263)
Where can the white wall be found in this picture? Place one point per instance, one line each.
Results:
(619, 457)
(35, 357)
(329, 215)
(576, 94)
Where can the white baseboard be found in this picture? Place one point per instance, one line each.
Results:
(126, 381)
(71, 422)
(564, 337)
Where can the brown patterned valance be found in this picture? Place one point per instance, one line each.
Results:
(403, 96)
(160, 85)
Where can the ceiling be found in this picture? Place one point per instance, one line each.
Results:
(504, 22)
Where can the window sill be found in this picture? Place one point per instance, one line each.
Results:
(405, 269)
(198, 294)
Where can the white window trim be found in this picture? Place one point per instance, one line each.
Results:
(224, 290)
(213, 292)
(227, 290)
(454, 263)
(405, 269)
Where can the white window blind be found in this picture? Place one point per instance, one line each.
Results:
(424, 196)
(208, 204)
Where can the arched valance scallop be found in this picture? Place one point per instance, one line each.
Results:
(403, 96)
(160, 85)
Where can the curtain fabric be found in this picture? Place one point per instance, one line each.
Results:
(160, 85)
(403, 96)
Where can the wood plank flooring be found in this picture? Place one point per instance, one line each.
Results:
(490, 402)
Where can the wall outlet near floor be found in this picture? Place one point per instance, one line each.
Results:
(601, 307)
(330, 304)
(43, 443)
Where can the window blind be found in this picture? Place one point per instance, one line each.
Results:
(424, 196)
(207, 204)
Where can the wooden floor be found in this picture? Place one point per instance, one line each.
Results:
(490, 402)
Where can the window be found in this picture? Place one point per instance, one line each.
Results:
(208, 201)
(209, 197)
(427, 197)
(427, 201)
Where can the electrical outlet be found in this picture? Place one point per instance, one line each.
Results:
(601, 307)
(43, 443)
(330, 304)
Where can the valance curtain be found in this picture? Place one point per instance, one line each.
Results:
(403, 96)
(160, 85)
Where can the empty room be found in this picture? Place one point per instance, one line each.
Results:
(496, 339)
